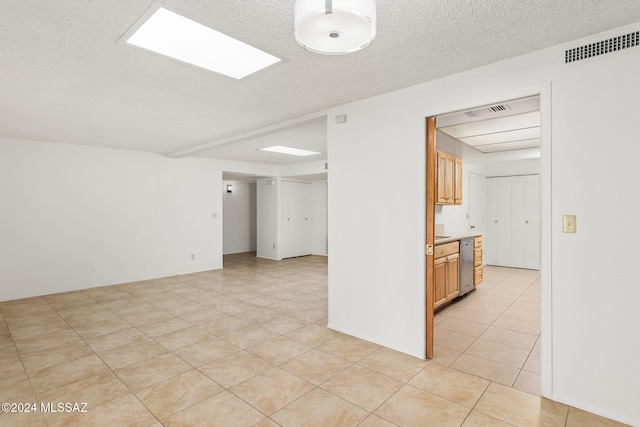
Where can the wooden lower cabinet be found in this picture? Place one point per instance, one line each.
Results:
(477, 261)
(447, 273)
(440, 269)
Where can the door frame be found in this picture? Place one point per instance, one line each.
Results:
(430, 209)
(543, 90)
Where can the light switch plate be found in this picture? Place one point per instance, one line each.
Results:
(568, 223)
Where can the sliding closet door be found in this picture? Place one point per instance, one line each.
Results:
(512, 237)
(505, 203)
(297, 205)
(518, 226)
(491, 231)
(532, 222)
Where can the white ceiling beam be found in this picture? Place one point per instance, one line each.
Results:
(254, 133)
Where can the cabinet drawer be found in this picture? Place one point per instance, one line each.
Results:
(477, 257)
(477, 275)
(446, 249)
(478, 242)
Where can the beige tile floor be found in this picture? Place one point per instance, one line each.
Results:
(248, 346)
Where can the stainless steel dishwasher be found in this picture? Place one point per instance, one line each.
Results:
(466, 265)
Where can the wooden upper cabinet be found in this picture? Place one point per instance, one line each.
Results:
(444, 179)
(449, 179)
(457, 181)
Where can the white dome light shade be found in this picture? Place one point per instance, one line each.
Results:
(335, 27)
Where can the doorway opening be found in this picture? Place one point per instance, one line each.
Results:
(500, 142)
(239, 214)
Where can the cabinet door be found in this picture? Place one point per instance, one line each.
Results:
(453, 276)
(457, 181)
(441, 178)
(440, 273)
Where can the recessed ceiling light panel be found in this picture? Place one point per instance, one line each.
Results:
(175, 36)
(289, 150)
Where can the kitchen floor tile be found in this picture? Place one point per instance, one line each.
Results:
(180, 392)
(272, 390)
(279, 350)
(206, 352)
(222, 410)
(486, 369)
(579, 418)
(320, 408)
(316, 366)
(249, 336)
(394, 364)
(277, 310)
(349, 348)
(152, 371)
(529, 382)
(363, 387)
(498, 352)
(413, 407)
(131, 353)
(182, 338)
(451, 384)
(509, 337)
(520, 408)
(231, 370)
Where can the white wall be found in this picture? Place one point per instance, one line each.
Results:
(239, 219)
(513, 167)
(590, 321)
(74, 217)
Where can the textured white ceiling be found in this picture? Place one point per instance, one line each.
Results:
(65, 77)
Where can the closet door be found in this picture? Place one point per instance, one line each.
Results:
(296, 237)
(505, 242)
(491, 232)
(518, 217)
(513, 222)
(532, 222)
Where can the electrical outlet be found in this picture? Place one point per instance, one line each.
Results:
(274, 246)
(193, 256)
(568, 223)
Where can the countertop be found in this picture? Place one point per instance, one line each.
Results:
(452, 237)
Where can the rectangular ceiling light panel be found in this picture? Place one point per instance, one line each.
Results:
(501, 124)
(508, 136)
(289, 150)
(173, 35)
(508, 146)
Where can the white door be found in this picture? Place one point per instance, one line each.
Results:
(476, 203)
(504, 221)
(296, 237)
(490, 240)
(518, 215)
(512, 236)
(532, 222)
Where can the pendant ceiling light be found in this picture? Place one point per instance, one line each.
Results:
(335, 27)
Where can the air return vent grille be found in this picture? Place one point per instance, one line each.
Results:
(498, 108)
(600, 48)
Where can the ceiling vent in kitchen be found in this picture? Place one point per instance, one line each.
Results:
(482, 111)
(602, 47)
